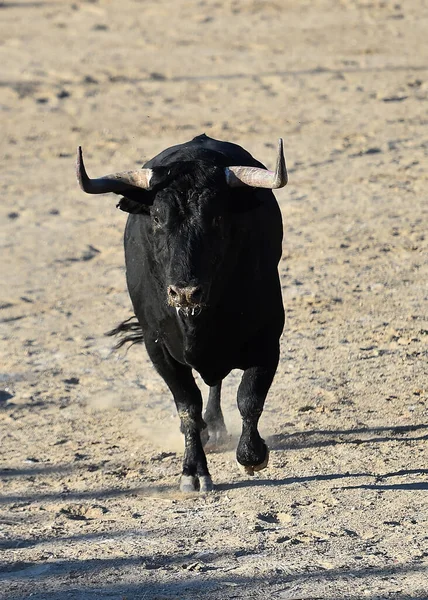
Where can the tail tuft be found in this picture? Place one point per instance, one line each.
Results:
(132, 327)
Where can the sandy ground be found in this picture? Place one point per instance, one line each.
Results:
(90, 449)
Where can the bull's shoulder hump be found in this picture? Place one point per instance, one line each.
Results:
(203, 147)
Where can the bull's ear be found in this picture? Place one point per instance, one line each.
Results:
(136, 207)
(136, 201)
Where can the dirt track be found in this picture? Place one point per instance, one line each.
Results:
(90, 448)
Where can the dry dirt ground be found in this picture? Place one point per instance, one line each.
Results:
(90, 448)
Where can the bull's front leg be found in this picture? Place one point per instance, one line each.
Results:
(252, 452)
(188, 400)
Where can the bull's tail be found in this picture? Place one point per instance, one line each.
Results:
(129, 331)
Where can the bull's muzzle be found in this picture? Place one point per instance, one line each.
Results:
(185, 297)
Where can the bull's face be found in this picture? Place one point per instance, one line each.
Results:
(191, 235)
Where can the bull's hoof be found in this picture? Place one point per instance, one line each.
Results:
(190, 483)
(218, 439)
(251, 469)
(205, 483)
(215, 435)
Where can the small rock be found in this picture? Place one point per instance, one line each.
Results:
(89, 79)
(284, 518)
(372, 151)
(395, 98)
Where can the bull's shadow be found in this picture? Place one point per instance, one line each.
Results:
(318, 438)
(376, 485)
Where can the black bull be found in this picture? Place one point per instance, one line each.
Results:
(202, 246)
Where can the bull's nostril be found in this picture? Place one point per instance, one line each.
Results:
(194, 295)
(177, 295)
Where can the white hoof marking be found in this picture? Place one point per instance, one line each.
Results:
(251, 469)
(205, 483)
(187, 483)
(264, 464)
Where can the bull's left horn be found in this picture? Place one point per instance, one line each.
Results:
(116, 182)
(259, 178)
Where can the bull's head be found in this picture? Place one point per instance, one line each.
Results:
(188, 204)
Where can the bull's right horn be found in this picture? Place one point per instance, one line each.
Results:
(116, 182)
(260, 178)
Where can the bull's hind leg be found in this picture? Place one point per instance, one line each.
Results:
(252, 452)
(217, 433)
(188, 400)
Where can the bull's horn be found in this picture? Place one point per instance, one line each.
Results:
(116, 182)
(259, 178)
